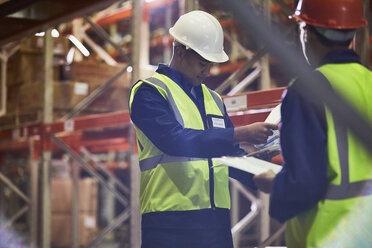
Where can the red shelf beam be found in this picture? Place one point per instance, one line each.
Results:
(259, 105)
(126, 12)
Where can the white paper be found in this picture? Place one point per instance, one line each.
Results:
(274, 116)
(249, 164)
(273, 141)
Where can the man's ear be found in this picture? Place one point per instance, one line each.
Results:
(180, 51)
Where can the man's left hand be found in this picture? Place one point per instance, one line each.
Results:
(264, 181)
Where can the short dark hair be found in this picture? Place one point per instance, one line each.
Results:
(327, 42)
(176, 43)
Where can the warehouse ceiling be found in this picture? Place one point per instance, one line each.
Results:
(20, 18)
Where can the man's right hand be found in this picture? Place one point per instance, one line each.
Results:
(256, 133)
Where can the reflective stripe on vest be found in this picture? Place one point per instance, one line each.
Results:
(346, 189)
(218, 101)
(171, 101)
(151, 163)
(172, 183)
(349, 170)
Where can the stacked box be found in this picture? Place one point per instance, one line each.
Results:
(66, 95)
(62, 195)
(61, 229)
(100, 73)
(112, 99)
(115, 97)
(27, 64)
(61, 205)
(35, 44)
(25, 98)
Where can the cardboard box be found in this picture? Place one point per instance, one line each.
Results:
(88, 195)
(66, 95)
(61, 195)
(100, 73)
(112, 99)
(12, 120)
(61, 229)
(12, 99)
(35, 44)
(60, 168)
(27, 64)
(24, 67)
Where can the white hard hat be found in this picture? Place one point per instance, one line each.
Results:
(202, 33)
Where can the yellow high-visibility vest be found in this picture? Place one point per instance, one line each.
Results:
(171, 183)
(349, 163)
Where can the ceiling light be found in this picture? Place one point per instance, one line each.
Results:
(79, 45)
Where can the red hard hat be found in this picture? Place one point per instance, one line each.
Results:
(337, 14)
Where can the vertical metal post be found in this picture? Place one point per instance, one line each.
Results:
(136, 40)
(34, 169)
(135, 220)
(235, 211)
(110, 207)
(191, 5)
(248, 218)
(45, 200)
(135, 230)
(2, 198)
(168, 23)
(144, 56)
(46, 154)
(77, 24)
(113, 31)
(75, 206)
(48, 78)
(265, 84)
(264, 230)
(265, 70)
(5, 53)
(3, 88)
(135, 227)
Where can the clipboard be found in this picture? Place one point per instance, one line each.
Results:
(252, 165)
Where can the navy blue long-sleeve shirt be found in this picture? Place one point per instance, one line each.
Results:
(303, 135)
(150, 112)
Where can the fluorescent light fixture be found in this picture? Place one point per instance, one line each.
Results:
(55, 33)
(79, 45)
(129, 69)
(70, 55)
(149, 1)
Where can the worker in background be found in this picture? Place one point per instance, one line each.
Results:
(326, 171)
(181, 124)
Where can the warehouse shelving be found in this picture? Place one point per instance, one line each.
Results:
(111, 132)
(259, 104)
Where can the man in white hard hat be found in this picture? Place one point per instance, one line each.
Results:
(181, 124)
(327, 173)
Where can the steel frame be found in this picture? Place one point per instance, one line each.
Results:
(67, 134)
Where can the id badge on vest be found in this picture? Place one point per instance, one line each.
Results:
(215, 121)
